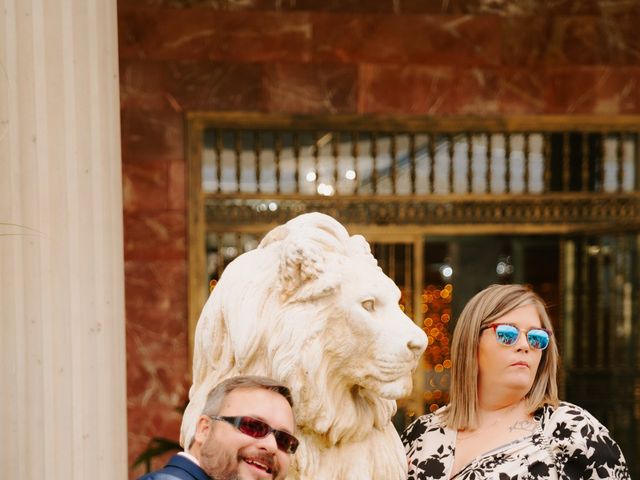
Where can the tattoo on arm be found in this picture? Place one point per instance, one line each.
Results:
(523, 425)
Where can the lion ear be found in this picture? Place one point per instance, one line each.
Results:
(358, 246)
(305, 271)
(276, 235)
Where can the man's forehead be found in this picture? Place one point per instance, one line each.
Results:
(250, 392)
(258, 403)
(253, 396)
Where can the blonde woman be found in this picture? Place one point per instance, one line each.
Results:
(504, 420)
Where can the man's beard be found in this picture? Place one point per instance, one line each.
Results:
(217, 464)
(232, 476)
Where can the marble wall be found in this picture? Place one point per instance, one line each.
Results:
(439, 57)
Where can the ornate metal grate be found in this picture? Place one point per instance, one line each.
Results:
(420, 171)
(334, 163)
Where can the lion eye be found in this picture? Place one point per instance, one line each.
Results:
(368, 305)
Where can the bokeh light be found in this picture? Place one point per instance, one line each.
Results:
(437, 301)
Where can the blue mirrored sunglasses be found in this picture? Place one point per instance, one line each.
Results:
(507, 334)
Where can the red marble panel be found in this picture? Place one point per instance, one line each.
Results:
(593, 90)
(585, 40)
(190, 85)
(155, 235)
(263, 37)
(434, 40)
(202, 33)
(177, 187)
(151, 135)
(476, 91)
(406, 89)
(368, 6)
(525, 40)
(166, 33)
(505, 8)
(160, 373)
(521, 91)
(512, 7)
(622, 37)
(318, 88)
(156, 294)
(145, 85)
(216, 86)
(145, 186)
(589, 7)
(500, 91)
(440, 7)
(571, 40)
(346, 6)
(544, 8)
(157, 387)
(217, 5)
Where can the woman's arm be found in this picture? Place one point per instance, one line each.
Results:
(585, 449)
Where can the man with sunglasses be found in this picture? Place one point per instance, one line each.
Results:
(245, 432)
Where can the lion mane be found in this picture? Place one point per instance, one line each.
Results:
(311, 308)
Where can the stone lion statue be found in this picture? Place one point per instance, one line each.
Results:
(311, 308)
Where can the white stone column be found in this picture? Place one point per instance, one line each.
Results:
(62, 338)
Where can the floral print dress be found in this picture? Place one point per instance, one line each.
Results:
(568, 443)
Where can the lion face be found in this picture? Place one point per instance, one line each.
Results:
(377, 346)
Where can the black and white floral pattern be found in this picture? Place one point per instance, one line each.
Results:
(569, 443)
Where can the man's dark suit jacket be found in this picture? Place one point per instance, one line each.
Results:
(179, 467)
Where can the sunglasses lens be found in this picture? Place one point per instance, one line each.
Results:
(538, 339)
(287, 443)
(257, 429)
(254, 428)
(507, 334)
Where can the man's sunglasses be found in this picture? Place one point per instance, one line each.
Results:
(258, 429)
(507, 334)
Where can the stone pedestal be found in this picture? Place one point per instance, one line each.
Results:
(62, 341)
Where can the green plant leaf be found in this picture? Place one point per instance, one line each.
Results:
(157, 446)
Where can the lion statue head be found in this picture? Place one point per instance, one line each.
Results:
(310, 307)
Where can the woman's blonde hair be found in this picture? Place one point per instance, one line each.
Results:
(483, 309)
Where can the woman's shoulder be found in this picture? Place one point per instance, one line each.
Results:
(570, 428)
(431, 423)
(581, 443)
(569, 415)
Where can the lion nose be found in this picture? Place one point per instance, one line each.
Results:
(418, 343)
